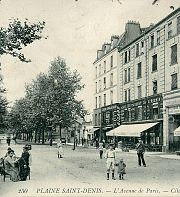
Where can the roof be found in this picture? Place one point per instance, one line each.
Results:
(148, 29)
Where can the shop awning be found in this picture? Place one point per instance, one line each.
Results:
(177, 131)
(131, 130)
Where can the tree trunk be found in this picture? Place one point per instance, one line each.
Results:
(35, 140)
(43, 136)
(39, 136)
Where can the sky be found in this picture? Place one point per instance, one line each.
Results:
(76, 29)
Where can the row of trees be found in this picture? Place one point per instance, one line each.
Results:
(50, 101)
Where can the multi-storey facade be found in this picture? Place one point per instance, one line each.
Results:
(106, 78)
(147, 83)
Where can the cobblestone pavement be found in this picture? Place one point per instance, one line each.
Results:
(81, 172)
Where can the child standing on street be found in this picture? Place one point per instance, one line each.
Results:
(110, 155)
(59, 149)
(121, 169)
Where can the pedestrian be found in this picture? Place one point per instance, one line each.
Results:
(97, 144)
(10, 167)
(121, 169)
(110, 155)
(24, 168)
(8, 141)
(140, 152)
(104, 144)
(101, 150)
(59, 149)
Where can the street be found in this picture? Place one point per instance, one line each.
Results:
(82, 172)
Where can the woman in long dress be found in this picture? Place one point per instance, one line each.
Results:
(10, 167)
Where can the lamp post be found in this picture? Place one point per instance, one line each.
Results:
(74, 125)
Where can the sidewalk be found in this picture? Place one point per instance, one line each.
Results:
(160, 154)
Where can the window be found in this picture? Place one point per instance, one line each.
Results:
(125, 76)
(129, 56)
(111, 96)
(154, 87)
(99, 85)
(125, 57)
(178, 24)
(142, 47)
(139, 113)
(96, 72)
(139, 70)
(125, 95)
(104, 82)
(154, 62)
(96, 102)
(174, 54)
(129, 94)
(169, 30)
(142, 44)
(104, 99)
(137, 49)
(152, 41)
(129, 74)
(139, 92)
(99, 101)
(111, 79)
(104, 66)
(99, 69)
(96, 87)
(174, 81)
(158, 37)
(95, 120)
(155, 113)
(111, 61)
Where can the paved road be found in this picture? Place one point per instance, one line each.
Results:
(81, 172)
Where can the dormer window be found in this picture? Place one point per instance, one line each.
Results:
(105, 49)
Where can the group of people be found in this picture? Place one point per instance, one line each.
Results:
(111, 161)
(17, 168)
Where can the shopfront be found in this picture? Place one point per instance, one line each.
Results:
(171, 121)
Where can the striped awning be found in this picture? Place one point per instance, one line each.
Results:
(131, 130)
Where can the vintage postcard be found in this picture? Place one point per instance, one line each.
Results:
(89, 98)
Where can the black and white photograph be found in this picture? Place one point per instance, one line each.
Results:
(89, 98)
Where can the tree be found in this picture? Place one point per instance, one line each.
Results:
(18, 35)
(12, 40)
(50, 101)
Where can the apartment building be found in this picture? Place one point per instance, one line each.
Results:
(147, 89)
(106, 79)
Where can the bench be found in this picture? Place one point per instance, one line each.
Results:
(2, 170)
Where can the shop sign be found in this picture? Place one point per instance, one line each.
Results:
(176, 133)
(174, 110)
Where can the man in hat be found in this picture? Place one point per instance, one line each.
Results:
(110, 155)
(140, 152)
(24, 164)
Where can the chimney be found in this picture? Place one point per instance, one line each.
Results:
(132, 31)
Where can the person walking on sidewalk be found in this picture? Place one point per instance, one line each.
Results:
(110, 155)
(140, 152)
(101, 150)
